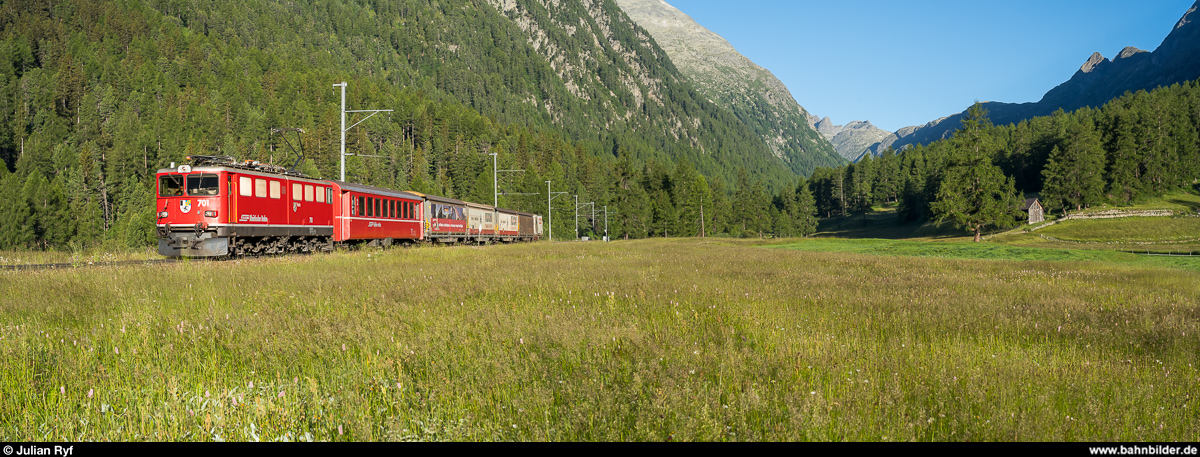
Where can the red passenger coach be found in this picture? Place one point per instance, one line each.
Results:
(380, 216)
(220, 208)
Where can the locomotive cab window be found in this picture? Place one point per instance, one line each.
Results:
(170, 185)
(203, 185)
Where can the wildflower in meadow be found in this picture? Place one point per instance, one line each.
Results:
(90, 391)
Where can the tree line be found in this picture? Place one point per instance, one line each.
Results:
(1136, 147)
(97, 96)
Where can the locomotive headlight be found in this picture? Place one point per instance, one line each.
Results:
(210, 214)
(163, 214)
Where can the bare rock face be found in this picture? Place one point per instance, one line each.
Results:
(1095, 60)
(1128, 52)
(718, 71)
(853, 139)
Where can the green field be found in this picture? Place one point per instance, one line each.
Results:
(680, 340)
(1130, 234)
(989, 251)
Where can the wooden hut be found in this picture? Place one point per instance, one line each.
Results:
(1035, 210)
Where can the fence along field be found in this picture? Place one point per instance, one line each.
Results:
(649, 340)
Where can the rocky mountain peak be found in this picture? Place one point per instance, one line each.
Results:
(1187, 17)
(1095, 60)
(1128, 52)
(727, 77)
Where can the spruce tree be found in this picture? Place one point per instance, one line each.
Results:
(806, 211)
(1073, 176)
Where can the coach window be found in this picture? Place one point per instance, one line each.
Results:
(260, 188)
(392, 209)
(203, 185)
(308, 193)
(170, 185)
(320, 195)
(245, 187)
(329, 195)
(377, 213)
(275, 189)
(362, 205)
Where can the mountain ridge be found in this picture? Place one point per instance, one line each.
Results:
(1097, 81)
(727, 77)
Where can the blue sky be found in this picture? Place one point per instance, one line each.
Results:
(900, 63)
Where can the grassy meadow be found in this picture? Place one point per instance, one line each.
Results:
(682, 339)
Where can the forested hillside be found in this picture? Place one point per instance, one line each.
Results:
(1138, 146)
(97, 95)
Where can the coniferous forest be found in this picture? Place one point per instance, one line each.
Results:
(1136, 147)
(95, 96)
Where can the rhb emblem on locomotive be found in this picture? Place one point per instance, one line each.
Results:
(185, 206)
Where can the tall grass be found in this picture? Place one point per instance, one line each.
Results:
(650, 340)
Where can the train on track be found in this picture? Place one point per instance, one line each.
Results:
(216, 207)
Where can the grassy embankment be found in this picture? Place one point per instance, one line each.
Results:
(646, 340)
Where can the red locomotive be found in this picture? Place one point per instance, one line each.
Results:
(221, 207)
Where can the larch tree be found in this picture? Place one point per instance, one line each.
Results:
(975, 193)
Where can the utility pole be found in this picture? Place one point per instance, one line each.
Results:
(495, 182)
(606, 213)
(342, 154)
(550, 214)
(577, 205)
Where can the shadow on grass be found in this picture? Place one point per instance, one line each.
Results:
(1192, 206)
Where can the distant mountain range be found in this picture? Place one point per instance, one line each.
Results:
(731, 80)
(1098, 80)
